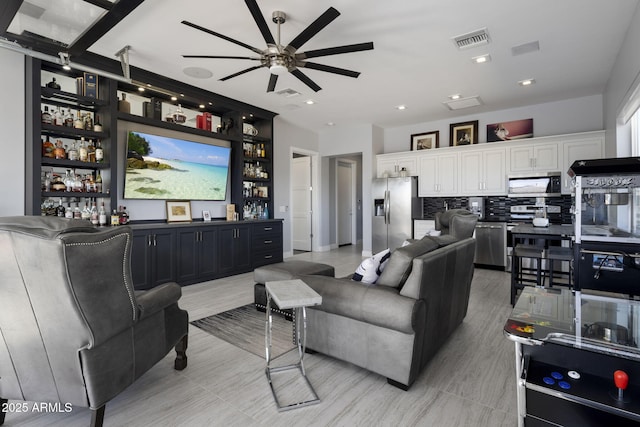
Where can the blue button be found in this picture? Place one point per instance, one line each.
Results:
(557, 375)
(565, 385)
(549, 380)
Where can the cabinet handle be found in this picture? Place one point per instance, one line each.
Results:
(268, 228)
(149, 240)
(268, 242)
(268, 256)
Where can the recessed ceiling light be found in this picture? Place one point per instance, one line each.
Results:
(140, 89)
(173, 98)
(401, 107)
(182, 94)
(201, 105)
(309, 102)
(481, 59)
(330, 124)
(526, 82)
(211, 103)
(454, 96)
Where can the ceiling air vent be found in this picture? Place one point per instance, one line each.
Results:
(459, 104)
(476, 38)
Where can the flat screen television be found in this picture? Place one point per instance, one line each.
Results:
(161, 168)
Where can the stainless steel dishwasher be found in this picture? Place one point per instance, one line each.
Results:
(491, 244)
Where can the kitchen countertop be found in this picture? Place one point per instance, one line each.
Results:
(551, 230)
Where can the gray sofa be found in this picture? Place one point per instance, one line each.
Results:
(395, 327)
(72, 328)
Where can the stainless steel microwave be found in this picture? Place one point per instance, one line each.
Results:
(535, 185)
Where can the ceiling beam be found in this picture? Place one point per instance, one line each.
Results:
(105, 4)
(116, 14)
(8, 9)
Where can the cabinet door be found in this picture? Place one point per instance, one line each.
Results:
(427, 176)
(208, 254)
(579, 150)
(141, 260)
(495, 172)
(471, 173)
(520, 159)
(242, 248)
(545, 158)
(448, 175)
(188, 251)
(233, 249)
(389, 164)
(163, 265)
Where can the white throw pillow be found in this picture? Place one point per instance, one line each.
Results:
(370, 269)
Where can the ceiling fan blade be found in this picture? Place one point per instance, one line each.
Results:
(240, 73)
(272, 83)
(335, 50)
(323, 20)
(259, 18)
(229, 39)
(328, 69)
(306, 80)
(221, 57)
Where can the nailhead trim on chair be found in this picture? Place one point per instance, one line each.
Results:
(124, 266)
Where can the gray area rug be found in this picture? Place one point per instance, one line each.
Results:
(244, 327)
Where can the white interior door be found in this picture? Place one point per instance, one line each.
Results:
(301, 203)
(345, 204)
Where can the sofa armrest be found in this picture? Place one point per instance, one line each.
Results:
(378, 305)
(158, 298)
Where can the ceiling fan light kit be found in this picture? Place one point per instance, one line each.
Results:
(281, 59)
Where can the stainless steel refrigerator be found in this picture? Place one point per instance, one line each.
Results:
(395, 205)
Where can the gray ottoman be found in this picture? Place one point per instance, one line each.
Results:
(284, 271)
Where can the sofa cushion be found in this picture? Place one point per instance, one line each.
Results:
(444, 240)
(370, 269)
(401, 261)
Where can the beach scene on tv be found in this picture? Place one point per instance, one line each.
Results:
(160, 167)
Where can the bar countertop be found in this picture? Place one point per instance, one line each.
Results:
(566, 231)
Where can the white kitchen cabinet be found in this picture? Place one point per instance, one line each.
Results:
(483, 172)
(589, 147)
(438, 175)
(392, 164)
(529, 156)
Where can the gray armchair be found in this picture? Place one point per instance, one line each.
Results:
(72, 328)
(459, 223)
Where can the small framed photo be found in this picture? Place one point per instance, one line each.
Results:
(206, 216)
(425, 141)
(178, 211)
(465, 133)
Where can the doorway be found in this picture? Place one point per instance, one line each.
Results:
(301, 203)
(346, 202)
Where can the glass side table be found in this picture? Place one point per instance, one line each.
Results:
(290, 294)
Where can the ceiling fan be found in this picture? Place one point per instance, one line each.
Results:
(282, 59)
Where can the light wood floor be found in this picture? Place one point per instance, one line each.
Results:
(470, 382)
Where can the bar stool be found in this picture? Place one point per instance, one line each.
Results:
(562, 254)
(518, 280)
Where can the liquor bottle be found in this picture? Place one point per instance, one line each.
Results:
(68, 119)
(99, 152)
(46, 116)
(97, 126)
(53, 84)
(46, 186)
(72, 153)
(77, 183)
(263, 153)
(115, 219)
(68, 181)
(94, 214)
(98, 182)
(265, 213)
(58, 119)
(179, 116)
(89, 185)
(58, 151)
(60, 210)
(124, 216)
(91, 152)
(124, 105)
(82, 151)
(88, 121)
(102, 215)
(78, 123)
(68, 213)
(85, 213)
(47, 148)
(77, 214)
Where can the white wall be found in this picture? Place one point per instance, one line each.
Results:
(623, 79)
(288, 137)
(553, 118)
(12, 122)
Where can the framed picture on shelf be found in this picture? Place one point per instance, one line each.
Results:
(464, 133)
(425, 141)
(206, 216)
(178, 211)
(506, 131)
